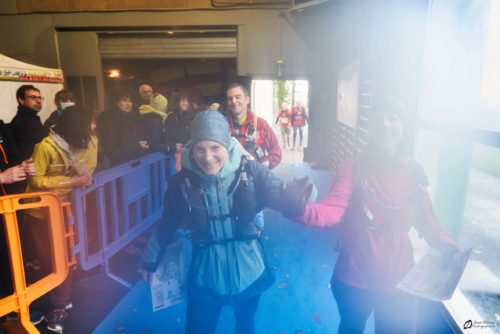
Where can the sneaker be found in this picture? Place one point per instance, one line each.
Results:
(36, 317)
(68, 306)
(57, 318)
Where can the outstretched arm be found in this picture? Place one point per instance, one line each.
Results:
(331, 208)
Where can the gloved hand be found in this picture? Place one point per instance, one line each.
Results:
(294, 196)
(146, 275)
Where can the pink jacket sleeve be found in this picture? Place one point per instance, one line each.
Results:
(331, 208)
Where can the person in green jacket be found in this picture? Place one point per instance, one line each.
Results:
(216, 196)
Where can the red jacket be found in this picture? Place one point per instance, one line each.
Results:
(262, 143)
(284, 118)
(375, 250)
(299, 116)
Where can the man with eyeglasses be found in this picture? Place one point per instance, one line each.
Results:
(26, 125)
(27, 131)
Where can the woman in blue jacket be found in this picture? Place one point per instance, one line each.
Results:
(216, 195)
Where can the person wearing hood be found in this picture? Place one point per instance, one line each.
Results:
(63, 160)
(63, 99)
(157, 107)
(375, 199)
(152, 122)
(216, 195)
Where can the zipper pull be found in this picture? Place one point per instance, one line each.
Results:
(244, 177)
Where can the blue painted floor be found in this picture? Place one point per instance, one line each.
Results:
(300, 301)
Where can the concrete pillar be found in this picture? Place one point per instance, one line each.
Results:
(452, 181)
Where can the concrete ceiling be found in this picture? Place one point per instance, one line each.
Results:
(60, 6)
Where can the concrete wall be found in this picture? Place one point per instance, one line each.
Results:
(314, 44)
(263, 36)
(387, 37)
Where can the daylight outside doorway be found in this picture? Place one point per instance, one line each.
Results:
(268, 97)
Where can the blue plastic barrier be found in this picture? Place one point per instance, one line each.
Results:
(121, 204)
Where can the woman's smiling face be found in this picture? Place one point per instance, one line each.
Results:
(387, 132)
(210, 156)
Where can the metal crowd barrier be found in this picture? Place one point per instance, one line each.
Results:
(23, 295)
(122, 203)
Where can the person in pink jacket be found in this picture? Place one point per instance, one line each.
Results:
(375, 200)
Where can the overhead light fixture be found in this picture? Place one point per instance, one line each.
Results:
(170, 32)
(114, 73)
(280, 63)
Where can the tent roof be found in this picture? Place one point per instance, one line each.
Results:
(15, 70)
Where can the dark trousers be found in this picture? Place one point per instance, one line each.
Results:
(6, 284)
(203, 315)
(295, 129)
(41, 250)
(394, 313)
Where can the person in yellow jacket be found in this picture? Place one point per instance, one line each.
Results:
(158, 106)
(64, 160)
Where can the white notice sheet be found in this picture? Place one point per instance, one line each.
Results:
(432, 279)
(168, 286)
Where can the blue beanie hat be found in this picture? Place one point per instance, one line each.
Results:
(210, 125)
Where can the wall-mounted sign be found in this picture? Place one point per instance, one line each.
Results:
(347, 95)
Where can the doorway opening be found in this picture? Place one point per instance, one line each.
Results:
(196, 60)
(269, 97)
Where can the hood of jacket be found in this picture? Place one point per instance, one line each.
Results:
(147, 109)
(65, 155)
(235, 152)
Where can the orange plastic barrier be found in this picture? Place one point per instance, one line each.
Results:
(24, 295)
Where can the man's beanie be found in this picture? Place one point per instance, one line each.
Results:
(210, 125)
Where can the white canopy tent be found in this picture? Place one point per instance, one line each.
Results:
(14, 74)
